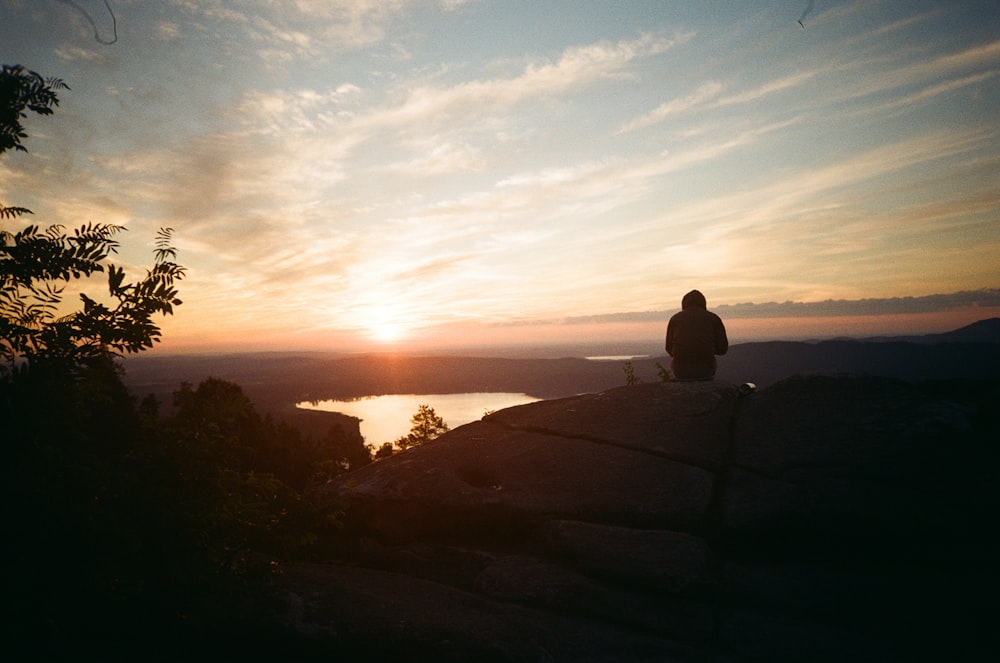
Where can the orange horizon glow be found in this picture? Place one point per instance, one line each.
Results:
(477, 337)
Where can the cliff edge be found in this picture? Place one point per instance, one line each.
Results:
(823, 518)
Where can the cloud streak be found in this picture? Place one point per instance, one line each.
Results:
(830, 308)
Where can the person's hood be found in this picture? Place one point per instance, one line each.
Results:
(693, 299)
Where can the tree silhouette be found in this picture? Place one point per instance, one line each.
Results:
(427, 425)
(384, 451)
(118, 519)
(36, 265)
(22, 90)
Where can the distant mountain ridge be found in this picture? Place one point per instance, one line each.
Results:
(983, 331)
(968, 353)
(276, 381)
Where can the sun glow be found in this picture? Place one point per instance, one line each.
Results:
(387, 332)
(384, 326)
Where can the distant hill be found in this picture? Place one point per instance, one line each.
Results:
(276, 381)
(971, 352)
(984, 331)
(766, 363)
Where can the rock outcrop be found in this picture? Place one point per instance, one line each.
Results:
(824, 518)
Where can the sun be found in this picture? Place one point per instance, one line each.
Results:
(383, 325)
(387, 332)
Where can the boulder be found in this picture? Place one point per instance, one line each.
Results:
(680, 563)
(486, 480)
(685, 421)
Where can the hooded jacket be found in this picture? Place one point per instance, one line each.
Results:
(694, 336)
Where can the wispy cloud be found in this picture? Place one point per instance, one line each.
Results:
(911, 101)
(707, 96)
(439, 158)
(577, 66)
(167, 30)
(878, 81)
(339, 24)
(674, 107)
(82, 54)
(769, 88)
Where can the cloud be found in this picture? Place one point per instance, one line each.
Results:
(297, 40)
(300, 140)
(863, 78)
(214, 10)
(302, 136)
(930, 92)
(873, 81)
(167, 30)
(440, 159)
(80, 54)
(985, 298)
(280, 112)
(779, 85)
(343, 11)
(707, 97)
(299, 29)
(765, 206)
(950, 62)
(577, 66)
(675, 107)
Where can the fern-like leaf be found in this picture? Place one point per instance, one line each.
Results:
(13, 212)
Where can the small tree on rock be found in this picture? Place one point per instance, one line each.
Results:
(427, 425)
(384, 451)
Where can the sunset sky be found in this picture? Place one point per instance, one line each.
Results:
(363, 174)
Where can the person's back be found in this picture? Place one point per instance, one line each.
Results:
(694, 336)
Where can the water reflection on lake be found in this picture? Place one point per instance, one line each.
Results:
(387, 418)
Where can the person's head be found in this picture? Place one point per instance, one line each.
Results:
(693, 299)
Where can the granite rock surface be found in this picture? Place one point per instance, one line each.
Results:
(825, 518)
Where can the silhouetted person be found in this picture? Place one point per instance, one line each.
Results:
(694, 337)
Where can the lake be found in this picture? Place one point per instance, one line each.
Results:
(387, 418)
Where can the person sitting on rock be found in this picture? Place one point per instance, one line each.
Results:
(694, 336)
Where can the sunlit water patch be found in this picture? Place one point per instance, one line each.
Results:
(387, 418)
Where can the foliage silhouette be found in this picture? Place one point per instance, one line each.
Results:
(123, 519)
(384, 451)
(256, 481)
(119, 519)
(22, 90)
(427, 425)
(630, 377)
(37, 265)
